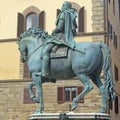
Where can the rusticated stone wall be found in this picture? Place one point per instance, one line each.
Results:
(11, 101)
(13, 108)
(98, 19)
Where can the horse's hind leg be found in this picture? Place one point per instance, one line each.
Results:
(96, 80)
(87, 87)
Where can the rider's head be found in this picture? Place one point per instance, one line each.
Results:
(66, 5)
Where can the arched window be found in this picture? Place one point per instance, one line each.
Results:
(80, 18)
(31, 17)
(31, 21)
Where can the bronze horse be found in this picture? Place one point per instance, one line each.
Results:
(85, 65)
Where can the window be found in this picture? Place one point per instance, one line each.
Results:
(66, 94)
(109, 30)
(31, 17)
(31, 21)
(115, 41)
(116, 105)
(81, 20)
(114, 7)
(116, 72)
(80, 17)
(119, 7)
(70, 93)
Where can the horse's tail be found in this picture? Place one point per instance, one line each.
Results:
(109, 85)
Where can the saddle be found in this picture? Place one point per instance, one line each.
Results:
(59, 52)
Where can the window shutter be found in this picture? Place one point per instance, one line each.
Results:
(116, 105)
(81, 20)
(116, 72)
(79, 90)
(60, 95)
(58, 11)
(42, 20)
(20, 24)
(26, 97)
(110, 105)
(26, 74)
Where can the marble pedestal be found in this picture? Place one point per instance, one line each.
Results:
(70, 116)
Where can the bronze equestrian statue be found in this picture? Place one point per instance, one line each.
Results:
(85, 61)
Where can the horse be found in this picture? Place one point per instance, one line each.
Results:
(85, 65)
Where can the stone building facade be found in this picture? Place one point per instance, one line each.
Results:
(112, 15)
(98, 20)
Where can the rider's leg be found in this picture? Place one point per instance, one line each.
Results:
(45, 59)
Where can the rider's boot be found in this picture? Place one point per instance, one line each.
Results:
(45, 60)
(45, 64)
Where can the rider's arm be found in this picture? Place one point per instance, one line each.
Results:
(60, 24)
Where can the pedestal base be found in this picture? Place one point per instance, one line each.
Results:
(70, 116)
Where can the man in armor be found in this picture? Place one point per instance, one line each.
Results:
(66, 25)
(65, 31)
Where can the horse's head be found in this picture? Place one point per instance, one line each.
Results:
(35, 36)
(23, 50)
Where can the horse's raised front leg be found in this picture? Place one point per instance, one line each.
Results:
(38, 84)
(87, 87)
(32, 96)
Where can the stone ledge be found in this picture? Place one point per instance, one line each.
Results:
(71, 116)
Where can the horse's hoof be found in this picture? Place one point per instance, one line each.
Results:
(101, 111)
(35, 99)
(73, 107)
(38, 111)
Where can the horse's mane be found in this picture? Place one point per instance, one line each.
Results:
(35, 32)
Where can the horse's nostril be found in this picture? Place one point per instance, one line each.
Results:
(22, 60)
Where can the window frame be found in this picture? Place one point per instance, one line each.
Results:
(61, 94)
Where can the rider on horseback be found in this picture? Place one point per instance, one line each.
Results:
(65, 30)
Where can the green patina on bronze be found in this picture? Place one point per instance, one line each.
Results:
(74, 64)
